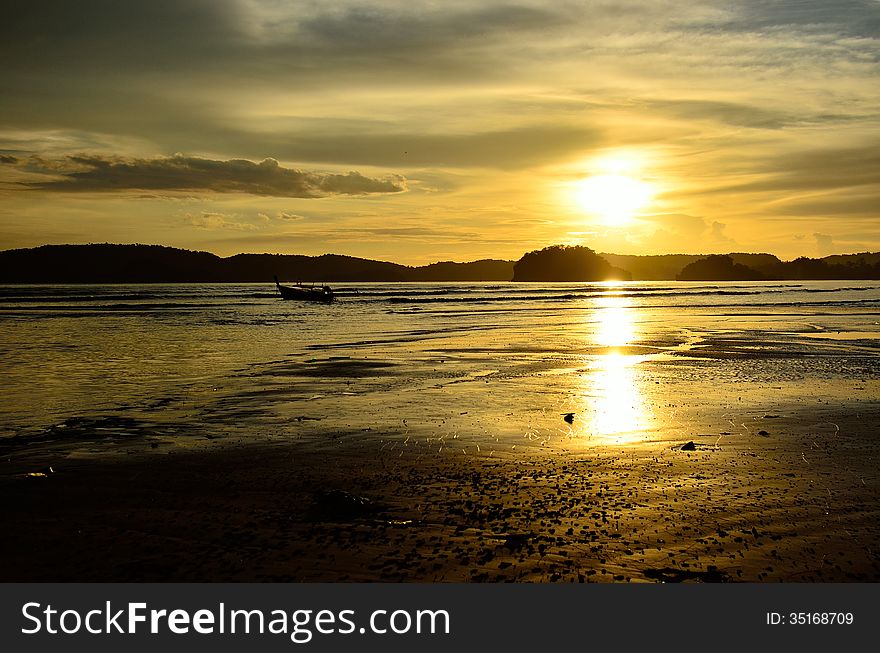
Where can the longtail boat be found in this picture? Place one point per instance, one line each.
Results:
(304, 292)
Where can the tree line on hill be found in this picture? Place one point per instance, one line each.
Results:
(107, 263)
(576, 263)
(720, 267)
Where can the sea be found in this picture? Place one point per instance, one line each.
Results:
(470, 366)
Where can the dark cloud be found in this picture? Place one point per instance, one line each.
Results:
(163, 71)
(814, 169)
(851, 17)
(375, 145)
(831, 167)
(184, 173)
(511, 148)
(846, 203)
(106, 34)
(236, 37)
(376, 29)
(741, 115)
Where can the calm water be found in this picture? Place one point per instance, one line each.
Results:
(232, 359)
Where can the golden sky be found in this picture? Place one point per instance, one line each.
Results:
(421, 131)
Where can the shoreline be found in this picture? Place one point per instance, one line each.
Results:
(800, 504)
(465, 443)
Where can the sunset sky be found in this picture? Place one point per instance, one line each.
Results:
(424, 130)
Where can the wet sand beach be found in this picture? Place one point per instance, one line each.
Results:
(603, 443)
(799, 504)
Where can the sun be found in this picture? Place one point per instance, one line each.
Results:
(615, 193)
(615, 199)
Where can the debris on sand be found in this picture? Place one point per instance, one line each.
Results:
(516, 541)
(340, 505)
(672, 575)
(763, 432)
(43, 473)
(696, 446)
(568, 417)
(398, 522)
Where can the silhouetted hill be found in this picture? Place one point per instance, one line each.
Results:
(725, 268)
(811, 268)
(668, 266)
(755, 261)
(482, 270)
(565, 263)
(327, 267)
(867, 258)
(651, 268)
(106, 264)
(718, 267)
(156, 264)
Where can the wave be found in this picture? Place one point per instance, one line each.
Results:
(158, 306)
(54, 300)
(853, 289)
(560, 297)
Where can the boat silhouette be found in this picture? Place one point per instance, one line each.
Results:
(303, 292)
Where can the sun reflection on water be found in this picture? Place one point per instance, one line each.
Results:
(613, 397)
(616, 326)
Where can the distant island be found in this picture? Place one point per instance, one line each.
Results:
(718, 267)
(111, 263)
(566, 263)
(727, 268)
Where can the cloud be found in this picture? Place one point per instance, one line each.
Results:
(213, 220)
(673, 230)
(519, 146)
(717, 232)
(256, 77)
(731, 113)
(505, 149)
(745, 99)
(306, 36)
(450, 235)
(824, 243)
(7, 158)
(811, 169)
(825, 168)
(862, 203)
(109, 34)
(849, 17)
(409, 232)
(689, 226)
(381, 29)
(185, 173)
